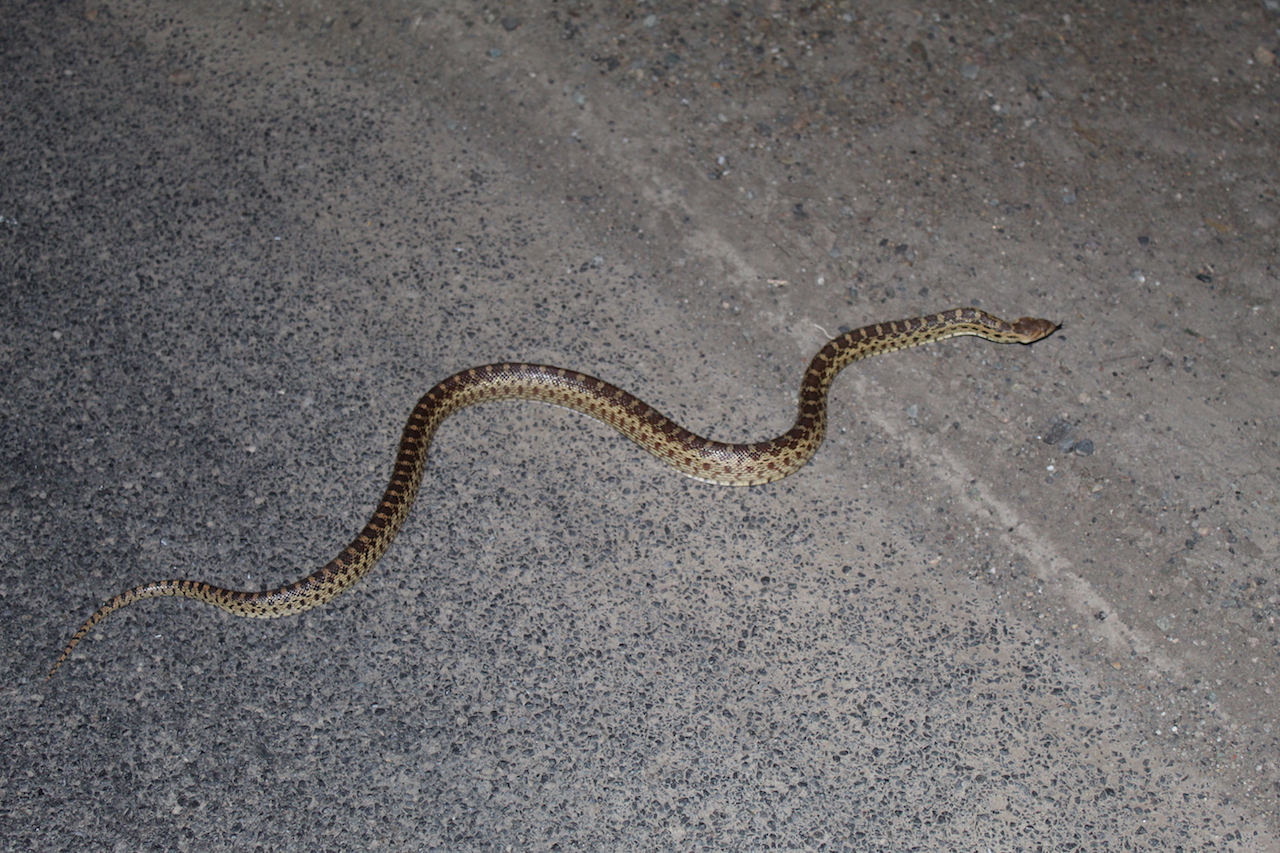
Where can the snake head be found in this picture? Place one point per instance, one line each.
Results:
(1031, 329)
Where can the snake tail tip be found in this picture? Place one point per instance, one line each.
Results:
(54, 669)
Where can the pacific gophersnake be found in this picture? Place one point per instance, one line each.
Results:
(697, 457)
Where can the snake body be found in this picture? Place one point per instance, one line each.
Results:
(690, 454)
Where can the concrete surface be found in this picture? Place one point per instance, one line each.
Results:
(1023, 599)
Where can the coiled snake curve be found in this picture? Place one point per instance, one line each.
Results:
(697, 457)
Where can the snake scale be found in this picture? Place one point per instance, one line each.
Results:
(690, 454)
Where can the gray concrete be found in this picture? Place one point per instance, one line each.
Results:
(239, 240)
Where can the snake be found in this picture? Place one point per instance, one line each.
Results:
(690, 454)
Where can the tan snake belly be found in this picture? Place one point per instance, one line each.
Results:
(700, 458)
